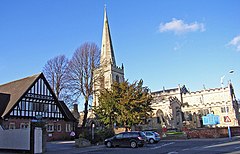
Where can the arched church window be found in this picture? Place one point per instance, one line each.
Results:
(183, 117)
(102, 82)
(117, 78)
(194, 117)
(160, 118)
(190, 117)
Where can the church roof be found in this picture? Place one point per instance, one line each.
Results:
(107, 53)
(183, 89)
(165, 91)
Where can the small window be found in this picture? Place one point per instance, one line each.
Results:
(117, 78)
(223, 109)
(12, 125)
(68, 128)
(22, 106)
(59, 127)
(24, 125)
(50, 128)
(190, 117)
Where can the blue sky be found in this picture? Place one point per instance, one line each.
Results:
(165, 43)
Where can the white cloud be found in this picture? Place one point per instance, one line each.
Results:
(235, 42)
(179, 27)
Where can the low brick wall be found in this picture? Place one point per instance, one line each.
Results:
(212, 132)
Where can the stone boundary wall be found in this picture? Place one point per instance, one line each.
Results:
(212, 132)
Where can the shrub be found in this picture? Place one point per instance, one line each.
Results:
(99, 135)
(102, 134)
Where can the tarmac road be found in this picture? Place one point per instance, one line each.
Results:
(190, 146)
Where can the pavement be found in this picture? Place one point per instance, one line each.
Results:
(63, 147)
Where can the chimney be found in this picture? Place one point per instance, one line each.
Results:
(75, 107)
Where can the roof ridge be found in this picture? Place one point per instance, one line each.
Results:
(21, 79)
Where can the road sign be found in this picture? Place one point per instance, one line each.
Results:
(72, 133)
(227, 119)
(211, 119)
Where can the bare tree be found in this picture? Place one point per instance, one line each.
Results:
(80, 73)
(55, 72)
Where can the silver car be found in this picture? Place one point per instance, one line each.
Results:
(152, 137)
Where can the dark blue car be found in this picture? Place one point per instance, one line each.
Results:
(132, 139)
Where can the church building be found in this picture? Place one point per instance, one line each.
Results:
(179, 108)
(108, 72)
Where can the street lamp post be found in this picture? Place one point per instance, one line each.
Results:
(226, 109)
(229, 129)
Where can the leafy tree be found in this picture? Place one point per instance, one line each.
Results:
(126, 104)
(108, 108)
(80, 74)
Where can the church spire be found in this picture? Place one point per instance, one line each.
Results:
(107, 53)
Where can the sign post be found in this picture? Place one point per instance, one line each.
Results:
(227, 120)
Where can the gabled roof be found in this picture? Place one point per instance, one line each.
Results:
(11, 93)
(4, 99)
(16, 89)
(67, 111)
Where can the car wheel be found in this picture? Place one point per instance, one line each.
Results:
(151, 140)
(109, 144)
(133, 144)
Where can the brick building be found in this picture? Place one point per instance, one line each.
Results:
(31, 98)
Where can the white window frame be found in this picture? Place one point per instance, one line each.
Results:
(24, 125)
(68, 127)
(12, 125)
(50, 127)
(59, 130)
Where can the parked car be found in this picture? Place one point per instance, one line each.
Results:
(133, 139)
(152, 137)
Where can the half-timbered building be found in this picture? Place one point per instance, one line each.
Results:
(31, 98)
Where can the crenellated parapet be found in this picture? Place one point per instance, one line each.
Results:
(118, 69)
(206, 91)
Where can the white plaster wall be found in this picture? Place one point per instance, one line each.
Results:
(18, 139)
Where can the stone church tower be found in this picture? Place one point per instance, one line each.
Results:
(108, 71)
